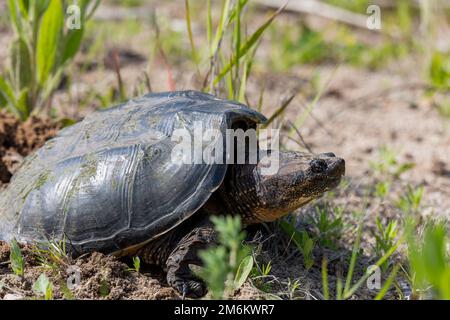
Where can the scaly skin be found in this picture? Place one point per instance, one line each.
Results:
(256, 198)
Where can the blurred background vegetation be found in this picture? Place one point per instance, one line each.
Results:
(280, 60)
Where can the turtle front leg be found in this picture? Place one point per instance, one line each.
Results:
(179, 275)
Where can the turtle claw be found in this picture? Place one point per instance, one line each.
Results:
(190, 288)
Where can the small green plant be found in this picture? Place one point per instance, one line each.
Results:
(136, 265)
(410, 201)
(16, 258)
(439, 71)
(227, 265)
(429, 259)
(266, 268)
(388, 164)
(385, 238)
(302, 240)
(43, 287)
(259, 275)
(41, 49)
(382, 189)
(104, 289)
(329, 225)
(66, 292)
(292, 287)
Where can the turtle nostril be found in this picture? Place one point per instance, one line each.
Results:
(318, 165)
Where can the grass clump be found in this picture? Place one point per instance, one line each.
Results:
(328, 225)
(53, 255)
(388, 165)
(227, 265)
(410, 201)
(229, 49)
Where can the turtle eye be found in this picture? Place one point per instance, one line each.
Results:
(318, 165)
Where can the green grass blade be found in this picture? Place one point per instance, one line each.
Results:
(191, 37)
(209, 26)
(355, 287)
(279, 111)
(326, 293)
(339, 289)
(17, 261)
(92, 10)
(249, 44)
(21, 64)
(48, 39)
(302, 117)
(14, 16)
(243, 86)
(355, 251)
(7, 94)
(221, 27)
(40, 6)
(388, 283)
(23, 7)
(237, 32)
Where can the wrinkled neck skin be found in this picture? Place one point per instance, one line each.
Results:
(242, 194)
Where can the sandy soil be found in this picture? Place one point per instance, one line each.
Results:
(360, 112)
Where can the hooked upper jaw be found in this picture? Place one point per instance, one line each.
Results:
(328, 167)
(301, 178)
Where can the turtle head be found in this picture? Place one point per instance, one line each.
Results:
(301, 177)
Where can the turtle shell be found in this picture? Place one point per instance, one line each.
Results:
(108, 182)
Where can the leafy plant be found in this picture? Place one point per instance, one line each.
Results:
(385, 238)
(389, 165)
(292, 287)
(429, 259)
(136, 265)
(259, 275)
(227, 265)
(41, 49)
(329, 225)
(105, 288)
(439, 71)
(17, 261)
(302, 240)
(382, 189)
(410, 201)
(43, 287)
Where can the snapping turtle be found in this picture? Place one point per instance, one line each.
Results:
(110, 184)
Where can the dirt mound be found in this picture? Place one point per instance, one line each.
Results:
(18, 139)
(100, 277)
